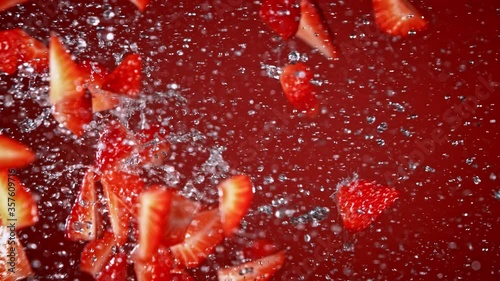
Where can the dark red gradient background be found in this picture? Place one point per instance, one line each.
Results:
(444, 227)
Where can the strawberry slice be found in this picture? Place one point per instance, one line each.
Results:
(119, 215)
(181, 215)
(115, 270)
(235, 197)
(7, 4)
(17, 47)
(398, 17)
(153, 146)
(282, 16)
(296, 84)
(153, 214)
(126, 78)
(155, 268)
(14, 154)
(96, 74)
(84, 220)
(17, 205)
(204, 234)
(140, 4)
(313, 31)
(14, 264)
(72, 106)
(97, 253)
(360, 202)
(261, 269)
(115, 145)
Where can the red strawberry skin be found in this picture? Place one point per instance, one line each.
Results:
(361, 202)
(398, 17)
(17, 47)
(14, 154)
(115, 270)
(156, 268)
(126, 78)
(140, 4)
(296, 84)
(282, 16)
(96, 254)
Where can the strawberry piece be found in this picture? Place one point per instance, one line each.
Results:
(155, 268)
(127, 186)
(14, 154)
(313, 31)
(84, 220)
(96, 74)
(14, 264)
(17, 47)
(181, 215)
(282, 16)
(126, 78)
(360, 202)
(153, 214)
(140, 4)
(115, 270)
(115, 145)
(259, 248)
(97, 253)
(203, 235)
(119, 215)
(296, 84)
(153, 146)
(398, 17)
(72, 106)
(261, 269)
(235, 197)
(18, 205)
(7, 4)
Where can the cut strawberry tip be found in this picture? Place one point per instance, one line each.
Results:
(14, 154)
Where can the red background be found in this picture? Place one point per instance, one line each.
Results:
(443, 226)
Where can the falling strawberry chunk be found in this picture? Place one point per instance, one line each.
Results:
(17, 203)
(96, 74)
(119, 214)
(83, 223)
(153, 146)
(115, 145)
(182, 212)
(7, 4)
(153, 214)
(313, 30)
(398, 17)
(96, 254)
(361, 202)
(115, 270)
(261, 269)
(282, 16)
(17, 47)
(14, 154)
(126, 78)
(17, 268)
(155, 268)
(296, 84)
(72, 105)
(235, 197)
(204, 234)
(140, 4)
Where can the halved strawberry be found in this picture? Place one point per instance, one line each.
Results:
(126, 78)
(83, 223)
(155, 268)
(204, 234)
(235, 197)
(153, 215)
(282, 16)
(115, 270)
(14, 154)
(14, 264)
(181, 215)
(17, 47)
(115, 145)
(153, 146)
(97, 253)
(360, 202)
(119, 214)
(140, 4)
(313, 31)
(17, 205)
(6, 4)
(72, 105)
(296, 84)
(398, 17)
(261, 269)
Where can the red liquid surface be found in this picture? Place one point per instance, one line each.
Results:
(445, 225)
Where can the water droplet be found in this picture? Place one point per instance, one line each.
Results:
(93, 20)
(476, 179)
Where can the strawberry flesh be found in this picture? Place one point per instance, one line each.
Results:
(17, 47)
(14, 154)
(282, 16)
(115, 270)
(155, 268)
(235, 197)
(296, 84)
(398, 17)
(126, 78)
(96, 254)
(13, 193)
